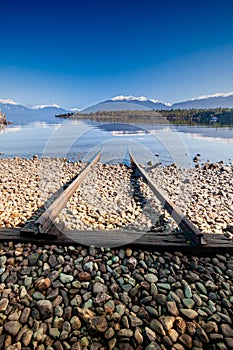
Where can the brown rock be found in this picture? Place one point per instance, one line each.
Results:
(210, 327)
(16, 346)
(173, 335)
(125, 346)
(227, 330)
(75, 323)
(46, 309)
(229, 342)
(190, 328)
(167, 322)
(25, 314)
(3, 304)
(172, 308)
(150, 334)
(138, 336)
(98, 324)
(84, 276)
(109, 333)
(43, 284)
(180, 325)
(76, 346)
(26, 338)
(178, 346)
(12, 327)
(186, 340)
(85, 314)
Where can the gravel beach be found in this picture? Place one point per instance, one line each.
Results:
(75, 298)
(111, 198)
(56, 297)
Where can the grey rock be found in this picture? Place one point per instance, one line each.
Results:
(202, 335)
(135, 321)
(188, 303)
(54, 333)
(65, 278)
(200, 286)
(99, 288)
(160, 298)
(165, 286)
(190, 314)
(151, 278)
(157, 326)
(187, 291)
(88, 266)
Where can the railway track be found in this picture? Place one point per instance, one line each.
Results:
(187, 239)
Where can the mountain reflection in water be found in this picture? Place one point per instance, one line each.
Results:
(120, 129)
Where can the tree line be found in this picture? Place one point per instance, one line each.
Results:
(215, 116)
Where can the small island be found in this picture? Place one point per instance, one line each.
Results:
(2, 118)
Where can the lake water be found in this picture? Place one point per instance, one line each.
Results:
(75, 139)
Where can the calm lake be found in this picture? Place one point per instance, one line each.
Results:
(81, 139)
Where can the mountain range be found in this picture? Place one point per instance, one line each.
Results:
(142, 103)
(14, 109)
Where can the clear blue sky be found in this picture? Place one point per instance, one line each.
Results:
(76, 53)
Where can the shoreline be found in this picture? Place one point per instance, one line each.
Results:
(109, 198)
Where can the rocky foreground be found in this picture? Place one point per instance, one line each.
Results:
(75, 298)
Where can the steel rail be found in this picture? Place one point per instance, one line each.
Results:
(45, 221)
(192, 233)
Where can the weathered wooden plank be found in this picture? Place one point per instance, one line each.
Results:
(45, 221)
(116, 237)
(148, 241)
(190, 230)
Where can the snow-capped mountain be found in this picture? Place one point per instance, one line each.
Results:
(126, 103)
(53, 105)
(8, 101)
(122, 102)
(224, 100)
(14, 109)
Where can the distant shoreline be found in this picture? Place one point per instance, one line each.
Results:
(217, 117)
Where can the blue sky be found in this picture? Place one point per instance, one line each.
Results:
(76, 53)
